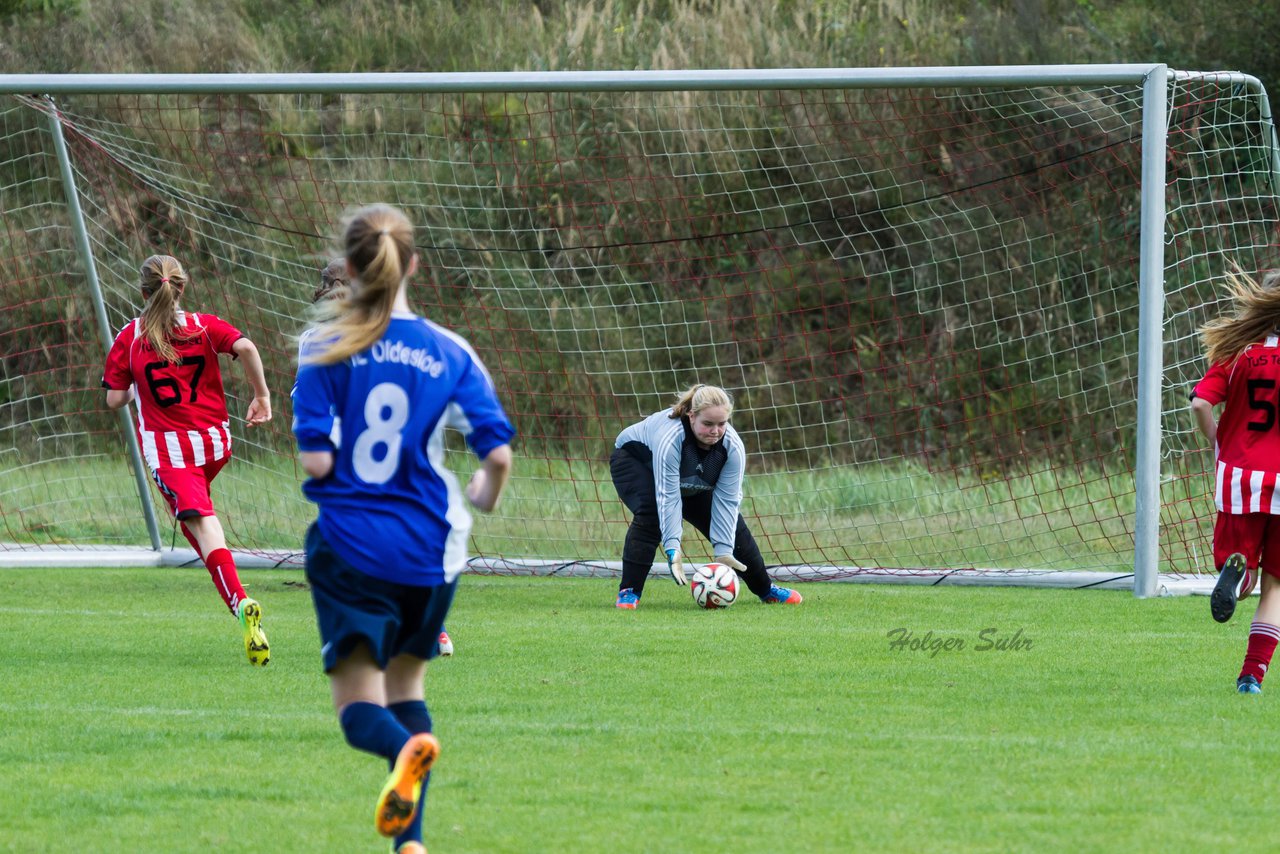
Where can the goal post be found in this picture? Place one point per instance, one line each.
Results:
(83, 248)
(956, 307)
(1150, 337)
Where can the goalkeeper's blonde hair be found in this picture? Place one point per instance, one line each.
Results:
(698, 397)
(378, 245)
(334, 282)
(1256, 315)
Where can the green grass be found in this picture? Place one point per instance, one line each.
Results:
(132, 723)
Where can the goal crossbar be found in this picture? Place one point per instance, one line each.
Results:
(585, 81)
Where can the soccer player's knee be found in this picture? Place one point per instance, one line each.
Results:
(646, 524)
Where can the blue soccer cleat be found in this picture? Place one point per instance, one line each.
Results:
(1248, 685)
(781, 596)
(628, 599)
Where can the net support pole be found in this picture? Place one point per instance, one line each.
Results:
(100, 311)
(1146, 548)
(1269, 128)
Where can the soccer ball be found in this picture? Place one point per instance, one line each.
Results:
(713, 586)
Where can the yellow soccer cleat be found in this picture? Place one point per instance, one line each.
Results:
(255, 640)
(399, 798)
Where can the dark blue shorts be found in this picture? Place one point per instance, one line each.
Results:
(351, 607)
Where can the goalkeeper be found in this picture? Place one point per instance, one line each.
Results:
(686, 462)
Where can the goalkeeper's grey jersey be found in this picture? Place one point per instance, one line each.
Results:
(665, 436)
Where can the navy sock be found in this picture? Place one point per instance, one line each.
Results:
(374, 729)
(413, 715)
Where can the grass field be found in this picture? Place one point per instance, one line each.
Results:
(132, 722)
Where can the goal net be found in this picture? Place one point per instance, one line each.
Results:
(924, 299)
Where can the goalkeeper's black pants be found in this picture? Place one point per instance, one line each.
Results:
(633, 478)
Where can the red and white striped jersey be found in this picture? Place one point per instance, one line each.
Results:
(1248, 443)
(182, 410)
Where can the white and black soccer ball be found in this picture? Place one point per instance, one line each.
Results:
(713, 586)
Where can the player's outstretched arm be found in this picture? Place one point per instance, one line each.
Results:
(487, 484)
(260, 409)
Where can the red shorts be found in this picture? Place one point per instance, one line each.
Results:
(1254, 535)
(187, 489)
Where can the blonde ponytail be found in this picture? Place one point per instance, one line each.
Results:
(162, 282)
(698, 397)
(378, 245)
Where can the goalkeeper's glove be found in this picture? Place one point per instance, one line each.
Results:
(675, 567)
(731, 562)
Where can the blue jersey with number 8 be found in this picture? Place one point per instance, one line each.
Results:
(390, 507)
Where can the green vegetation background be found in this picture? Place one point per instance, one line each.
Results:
(511, 35)
(504, 35)
(296, 36)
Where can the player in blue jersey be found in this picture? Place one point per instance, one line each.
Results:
(376, 387)
(686, 463)
(335, 284)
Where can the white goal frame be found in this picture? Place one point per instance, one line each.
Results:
(1153, 78)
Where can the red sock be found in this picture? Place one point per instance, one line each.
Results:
(1262, 645)
(191, 539)
(222, 569)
